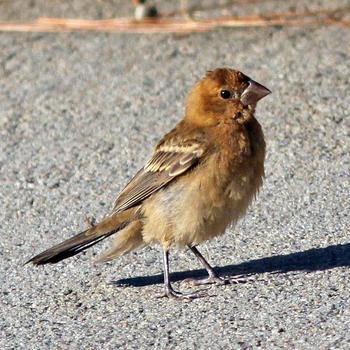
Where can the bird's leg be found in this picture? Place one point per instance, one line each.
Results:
(168, 289)
(213, 275)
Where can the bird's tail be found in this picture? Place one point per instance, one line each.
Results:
(85, 239)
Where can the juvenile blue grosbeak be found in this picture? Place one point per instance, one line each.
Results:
(200, 179)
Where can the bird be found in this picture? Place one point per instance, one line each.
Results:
(200, 179)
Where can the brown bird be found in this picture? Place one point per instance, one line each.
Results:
(201, 178)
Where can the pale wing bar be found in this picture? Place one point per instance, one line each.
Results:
(168, 162)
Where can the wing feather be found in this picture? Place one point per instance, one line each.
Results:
(170, 159)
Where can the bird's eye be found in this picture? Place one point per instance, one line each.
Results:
(225, 94)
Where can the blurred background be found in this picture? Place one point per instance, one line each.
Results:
(17, 10)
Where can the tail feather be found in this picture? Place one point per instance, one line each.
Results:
(85, 239)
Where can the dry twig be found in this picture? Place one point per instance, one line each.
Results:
(179, 25)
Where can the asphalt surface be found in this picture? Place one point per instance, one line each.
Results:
(80, 113)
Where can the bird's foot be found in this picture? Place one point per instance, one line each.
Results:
(240, 279)
(207, 280)
(215, 279)
(173, 294)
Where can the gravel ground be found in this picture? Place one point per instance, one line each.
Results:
(79, 114)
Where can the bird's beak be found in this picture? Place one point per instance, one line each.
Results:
(253, 93)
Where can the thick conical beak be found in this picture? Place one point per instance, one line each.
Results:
(253, 93)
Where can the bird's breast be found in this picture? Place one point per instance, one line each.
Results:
(202, 203)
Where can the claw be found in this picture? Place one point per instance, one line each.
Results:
(173, 294)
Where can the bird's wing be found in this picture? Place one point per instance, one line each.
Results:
(172, 157)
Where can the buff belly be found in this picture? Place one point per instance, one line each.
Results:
(204, 213)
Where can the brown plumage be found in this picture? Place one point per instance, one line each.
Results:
(201, 178)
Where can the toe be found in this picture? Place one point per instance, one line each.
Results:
(173, 294)
(240, 279)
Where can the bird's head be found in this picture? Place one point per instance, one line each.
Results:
(223, 95)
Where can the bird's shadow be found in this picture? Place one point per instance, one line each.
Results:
(317, 259)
